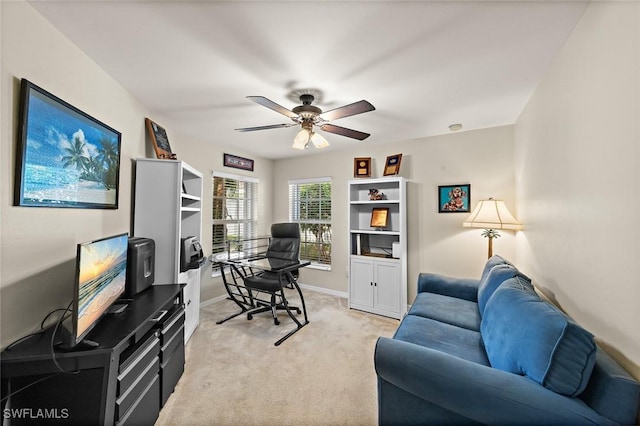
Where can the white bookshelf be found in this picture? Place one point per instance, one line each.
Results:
(377, 279)
(167, 208)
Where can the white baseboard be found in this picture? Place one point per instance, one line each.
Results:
(341, 294)
(214, 300)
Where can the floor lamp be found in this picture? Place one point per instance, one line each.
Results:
(491, 215)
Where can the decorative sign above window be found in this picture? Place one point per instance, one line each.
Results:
(238, 162)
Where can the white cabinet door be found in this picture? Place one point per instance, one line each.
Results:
(191, 300)
(386, 286)
(361, 292)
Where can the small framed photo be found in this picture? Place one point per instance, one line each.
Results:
(362, 167)
(238, 162)
(454, 198)
(392, 165)
(379, 217)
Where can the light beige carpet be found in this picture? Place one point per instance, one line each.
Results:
(322, 375)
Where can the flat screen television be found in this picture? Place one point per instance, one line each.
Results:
(64, 157)
(101, 273)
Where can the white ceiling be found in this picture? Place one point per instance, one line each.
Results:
(423, 65)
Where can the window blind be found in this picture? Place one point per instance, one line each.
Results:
(234, 211)
(310, 206)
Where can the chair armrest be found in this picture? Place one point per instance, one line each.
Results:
(475, 391)
(462, 288)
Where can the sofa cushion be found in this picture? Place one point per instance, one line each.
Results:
(525, 335)
(451, 310)
(492, 280)
(493, 261)
(456, 341)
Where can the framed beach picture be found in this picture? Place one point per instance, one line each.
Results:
(65, 158)
(454, 198)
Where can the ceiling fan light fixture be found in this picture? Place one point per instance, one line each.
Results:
(318, 141)
(301, 139)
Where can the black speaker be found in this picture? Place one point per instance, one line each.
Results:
(140, 265)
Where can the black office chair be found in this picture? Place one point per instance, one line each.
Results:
(283, 245)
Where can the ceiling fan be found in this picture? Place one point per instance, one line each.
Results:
(308, 115)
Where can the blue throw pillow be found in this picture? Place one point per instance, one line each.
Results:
(525, 335)
(496, 276)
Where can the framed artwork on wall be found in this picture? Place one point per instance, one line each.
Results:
(238, 162)
(362, 167)
(64, 157)
(454, 198)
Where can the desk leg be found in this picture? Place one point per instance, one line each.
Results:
(244, 304)
(299, 325)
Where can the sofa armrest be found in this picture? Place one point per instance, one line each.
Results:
(462, 288)
(475, 391)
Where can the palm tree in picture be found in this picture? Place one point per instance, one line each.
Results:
(108, 156)
(75, 155)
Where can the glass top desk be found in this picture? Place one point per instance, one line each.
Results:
(248, 299)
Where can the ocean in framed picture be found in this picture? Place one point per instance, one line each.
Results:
(66, 158)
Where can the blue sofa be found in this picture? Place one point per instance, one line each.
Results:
(491, 351)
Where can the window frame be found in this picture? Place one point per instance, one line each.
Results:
(251, 207)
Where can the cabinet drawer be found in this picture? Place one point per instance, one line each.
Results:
(172, 326)
(172, 366)
(146, 408)
(137, 388)
(170, 346)
(137, 362)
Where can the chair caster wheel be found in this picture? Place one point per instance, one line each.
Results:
(249, 317)
(298, 311)
(276, 322)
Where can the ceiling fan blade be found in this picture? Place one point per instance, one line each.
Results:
(272, 126)
(343, 131)
(347, 110)
(272, 105)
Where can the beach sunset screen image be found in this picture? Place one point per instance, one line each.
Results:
(101, 278)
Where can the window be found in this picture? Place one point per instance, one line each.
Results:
(310, 206)
(234, 211)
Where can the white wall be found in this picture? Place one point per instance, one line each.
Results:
(578, 179)
(436, 242)
(38, 245)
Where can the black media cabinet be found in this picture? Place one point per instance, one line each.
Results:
(123, 382)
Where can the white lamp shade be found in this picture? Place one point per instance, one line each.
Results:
(319, 141)
(301, 139)
(491, 214)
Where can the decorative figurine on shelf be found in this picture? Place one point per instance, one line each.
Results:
(375, 195)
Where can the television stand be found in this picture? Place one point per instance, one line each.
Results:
(84, 345)
(117, 308)
(125, 380)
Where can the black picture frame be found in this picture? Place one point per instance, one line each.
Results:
(238, 162)
(454, 198)
(64, 157)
